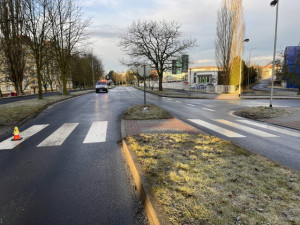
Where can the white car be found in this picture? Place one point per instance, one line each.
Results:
(101, 85)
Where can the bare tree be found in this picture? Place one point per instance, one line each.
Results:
(157, 42)
(67, 31)
(37, 28)
(13, 40)
(230, 35)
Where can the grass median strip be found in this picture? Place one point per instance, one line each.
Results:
(13, 113)
(201, 179)
(261, 112)
(146, 112)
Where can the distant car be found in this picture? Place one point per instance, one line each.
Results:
(204, 85)
(101, 85)
(200, 86)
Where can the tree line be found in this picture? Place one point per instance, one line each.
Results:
(50, 32)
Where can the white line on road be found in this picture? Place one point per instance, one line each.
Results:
(59, 136)
(8, 144)
(280, 130)
(209, 109)
(97, 132)
(247, 129)
(170, 99)
(215, 128)
(191, 105)
(178, 101)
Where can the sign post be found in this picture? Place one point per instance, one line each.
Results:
(144, 70)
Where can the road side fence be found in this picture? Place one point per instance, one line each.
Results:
(194, 87)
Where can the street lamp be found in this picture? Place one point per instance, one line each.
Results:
(273, 3)
(245, 40)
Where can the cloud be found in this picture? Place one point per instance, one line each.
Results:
(198, 19)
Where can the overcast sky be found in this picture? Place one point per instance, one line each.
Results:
(110, 18)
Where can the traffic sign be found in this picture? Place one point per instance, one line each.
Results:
(144, 70)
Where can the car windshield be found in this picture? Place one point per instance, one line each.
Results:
(101, 83)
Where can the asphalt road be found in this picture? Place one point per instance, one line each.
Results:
(67, 173)
(69, 167)
(263, 86)
(214, 117)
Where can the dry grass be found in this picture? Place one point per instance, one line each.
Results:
(146, 112)
(261, 112)
(13, 113)
(201, 179)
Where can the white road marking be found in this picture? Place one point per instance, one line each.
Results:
(97, 132)
(59, 136)
(280, 130)
(8, 144)
(209, 109)
(170, 99)
(215, 128)
(247, 129)
(191, 105)
(178, 101)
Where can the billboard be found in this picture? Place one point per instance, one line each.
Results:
(180, 65)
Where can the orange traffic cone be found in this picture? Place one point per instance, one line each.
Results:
(16, 135)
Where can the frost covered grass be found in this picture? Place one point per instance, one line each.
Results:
(201, 179)
(261, 112)
(146, 112)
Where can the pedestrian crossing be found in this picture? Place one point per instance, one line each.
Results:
(97, 131)
(245, 126)
(59, 136)
(96, 134)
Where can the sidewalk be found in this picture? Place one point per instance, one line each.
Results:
(290, 121)
(134, 127)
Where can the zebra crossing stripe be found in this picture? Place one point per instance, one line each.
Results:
(8, 144)
(59, 136)
(216, 128)
(97, 132)
(247, 129)
(280, 130)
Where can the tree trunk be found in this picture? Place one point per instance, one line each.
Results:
(160, 87)
(39, 76)
(64, 81)
(45, 88)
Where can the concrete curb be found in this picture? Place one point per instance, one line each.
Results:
(141, 186)
(152, 209)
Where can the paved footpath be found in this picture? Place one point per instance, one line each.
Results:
(134, 127)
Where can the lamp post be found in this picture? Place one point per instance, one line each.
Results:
(240, 81)
(274, 3)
